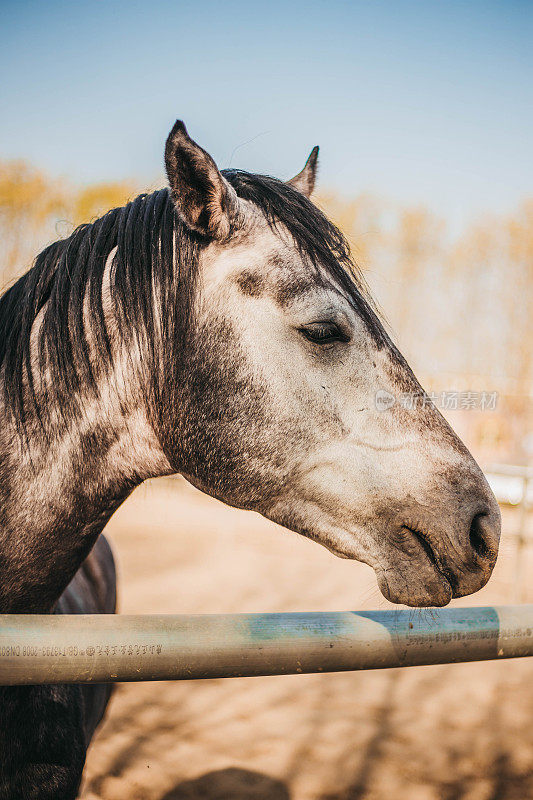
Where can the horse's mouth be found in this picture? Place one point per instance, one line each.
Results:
(435, 560)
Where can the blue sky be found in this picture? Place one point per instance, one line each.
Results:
(423, 102)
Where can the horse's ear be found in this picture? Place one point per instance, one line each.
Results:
(204, 199)
(305, 180)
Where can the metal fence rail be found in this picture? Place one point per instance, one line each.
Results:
(37, 649)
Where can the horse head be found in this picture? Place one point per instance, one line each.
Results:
(288, 386)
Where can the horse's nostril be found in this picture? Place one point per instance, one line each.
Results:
(477, 537)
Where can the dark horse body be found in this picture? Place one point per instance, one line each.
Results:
(219, 330)
(45, 730)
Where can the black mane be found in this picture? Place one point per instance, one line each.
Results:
(153, 278)
(153, 271)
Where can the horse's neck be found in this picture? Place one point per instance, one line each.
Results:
(56, 496)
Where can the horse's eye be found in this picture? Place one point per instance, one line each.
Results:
(323, 333)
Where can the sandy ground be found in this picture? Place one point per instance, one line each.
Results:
(427, 733)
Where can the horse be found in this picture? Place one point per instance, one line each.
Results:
(45, 730)
(218, 328)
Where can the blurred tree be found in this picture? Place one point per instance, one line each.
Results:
(361, 219)
(92, 202)
(518, 260)
(417, 313)
(36, 210)
(30, 202)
